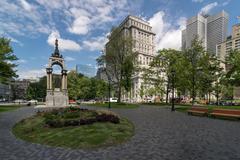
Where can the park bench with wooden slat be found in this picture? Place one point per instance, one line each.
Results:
(227, 113)
(200, 111)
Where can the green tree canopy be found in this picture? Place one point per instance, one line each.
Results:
(7, 67)
(119, 59)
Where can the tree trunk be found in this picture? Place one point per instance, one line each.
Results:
(119, 92)
(193, 89)
(167, 93)
(209, 97)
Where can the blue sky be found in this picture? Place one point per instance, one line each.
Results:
(82, 25)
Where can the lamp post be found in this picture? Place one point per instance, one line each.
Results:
(109, 93)
(109, 88)
(173, 88)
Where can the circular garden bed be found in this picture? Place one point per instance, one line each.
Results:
(74, 128)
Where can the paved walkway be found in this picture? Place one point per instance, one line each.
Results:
(160, 135)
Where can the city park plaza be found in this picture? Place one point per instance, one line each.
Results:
(58, 130)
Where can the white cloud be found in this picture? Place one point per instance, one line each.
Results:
(80, 25)
(198, 1)
(95, 44)
(206, 9)
(167, 35)
(29, 18)
(31, 74)
(68, 59)
(26, 5)
(22, 18)
(20, 61)
(64, 44)
(87, 14)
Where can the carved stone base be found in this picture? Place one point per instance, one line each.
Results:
(57, 98)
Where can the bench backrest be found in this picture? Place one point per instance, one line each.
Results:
(226, 111)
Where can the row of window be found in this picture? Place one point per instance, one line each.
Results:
(142, 36)
(145, 60)
(138, 24)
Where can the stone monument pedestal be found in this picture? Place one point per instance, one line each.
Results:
(57, 98)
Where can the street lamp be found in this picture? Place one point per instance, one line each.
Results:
(173, 87)
(109, 94)
(109, 88)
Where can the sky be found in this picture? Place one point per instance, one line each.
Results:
(82, 26)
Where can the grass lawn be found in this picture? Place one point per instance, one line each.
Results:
(5, 108)
(99, 134)
(115, 105)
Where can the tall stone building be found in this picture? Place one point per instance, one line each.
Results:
(5, 92)
(224, 48)
(143, 43)
(211, 29)
(232, 43)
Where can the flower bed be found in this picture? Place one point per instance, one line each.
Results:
(68, 128)
(75, 117)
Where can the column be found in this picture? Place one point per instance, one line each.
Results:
(47, 81)
(49, 78)
(50, 82)
(64, 79)
(63, 82)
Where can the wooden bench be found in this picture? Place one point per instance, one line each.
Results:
(199, 111)
(226, 113)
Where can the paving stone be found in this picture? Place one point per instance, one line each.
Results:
(159, 135)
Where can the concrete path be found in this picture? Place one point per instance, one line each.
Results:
(160, 135)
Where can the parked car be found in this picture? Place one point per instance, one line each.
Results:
(150, 100)
(71, 101)
(113, 99)
(32, 101)
(19, 101)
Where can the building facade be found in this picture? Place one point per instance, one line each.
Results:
(223, 49)
(211, 29)
(143, 44)
(232, 43)
(19, 88)
(5, 92)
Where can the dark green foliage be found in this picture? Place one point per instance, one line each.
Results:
(196, 73)
(37, 90)
(81, 87)
(233, 67)
(76, 116)
(99, 134)
(7, 68)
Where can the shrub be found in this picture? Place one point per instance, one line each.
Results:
(75, 116)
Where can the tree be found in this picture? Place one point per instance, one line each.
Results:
(7, 68)
(159, 74)
(101, 89)
(233, 73)
(119, 59)
(37, 90)
(74, 89)
(233, 67)
(82, 87)
(194, 56)
(211, 73)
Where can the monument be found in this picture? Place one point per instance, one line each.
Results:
(56, 97)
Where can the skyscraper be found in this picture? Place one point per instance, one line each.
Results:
(211, 29)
